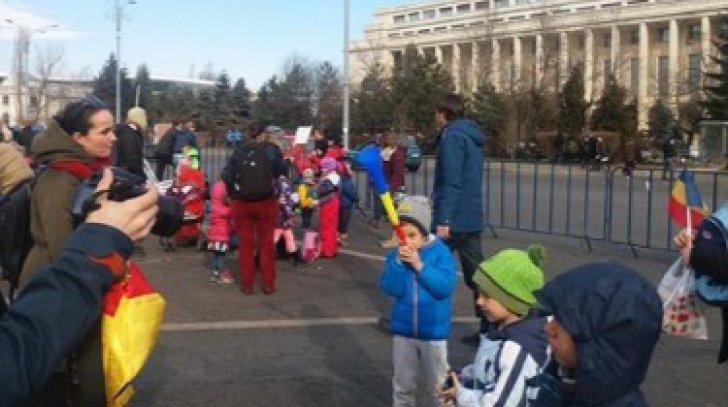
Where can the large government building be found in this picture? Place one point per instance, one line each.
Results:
(654, 48)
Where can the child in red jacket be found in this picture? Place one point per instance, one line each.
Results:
(328, 197)
(218, 233)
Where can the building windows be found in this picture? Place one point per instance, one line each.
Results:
(400, 19)
(663, 71)
(6, 100)
(634, 76)
(693, 32)
(606, 40)
(413, 17)
(634, 37)
(694, 73)
(463, 8)
(481, 5)
(6, 117)
(607, 71)
(445, 11)
(519, 2)
(428, 14)
(34, 102)
(501, 3)
(663, 35)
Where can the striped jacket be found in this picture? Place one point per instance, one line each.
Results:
(506, 366)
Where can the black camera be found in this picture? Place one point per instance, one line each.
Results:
(126, 186)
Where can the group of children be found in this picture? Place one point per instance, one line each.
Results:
(331, 195)
(583, 339)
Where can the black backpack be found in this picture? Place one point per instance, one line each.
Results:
(15, 222)
(165, 147)
(254, 173)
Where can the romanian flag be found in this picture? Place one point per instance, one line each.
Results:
(685, 199)
(132, 316)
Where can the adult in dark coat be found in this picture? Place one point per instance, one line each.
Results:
(457, 193)
(130, 142)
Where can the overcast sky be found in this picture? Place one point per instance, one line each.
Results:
(248, 38)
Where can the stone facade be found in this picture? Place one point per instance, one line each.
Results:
(655, 48)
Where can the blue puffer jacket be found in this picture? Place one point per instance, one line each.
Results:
(422, 305)
(614, 316)
(457, 194)
(348, 196)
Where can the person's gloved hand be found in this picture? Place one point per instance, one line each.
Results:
(134, 217)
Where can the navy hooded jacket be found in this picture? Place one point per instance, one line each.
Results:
(614, 316)
(457, 194)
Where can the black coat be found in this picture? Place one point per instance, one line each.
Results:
(130, 149)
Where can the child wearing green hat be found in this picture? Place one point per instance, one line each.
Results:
(512, 355)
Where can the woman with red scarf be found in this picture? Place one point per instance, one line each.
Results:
(77, 143)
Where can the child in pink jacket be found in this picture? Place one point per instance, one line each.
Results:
(218, 233)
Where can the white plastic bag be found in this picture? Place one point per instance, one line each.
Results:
(682, 312)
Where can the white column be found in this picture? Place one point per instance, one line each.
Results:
(563, 58)
(517, 58)
(495, 64)
(705, 42)
(456, 66)
(643, 79)
(615, 55)
(539, 59)
(438, 54)
(673, 63)
(491, 4)
(474, 65)
(588, 63)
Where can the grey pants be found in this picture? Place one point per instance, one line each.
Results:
(410, 357)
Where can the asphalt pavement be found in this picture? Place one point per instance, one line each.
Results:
(315, 342)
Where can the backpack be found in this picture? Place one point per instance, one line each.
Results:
(165, 146)
(254, 173)
(15, 222)
(713, 230)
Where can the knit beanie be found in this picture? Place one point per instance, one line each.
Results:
(511, 276)
(138, 116)
(417, 211)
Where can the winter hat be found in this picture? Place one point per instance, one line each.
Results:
(329, 163)
(308, 175)
(416, 210)
(511, 276)
(138, 116)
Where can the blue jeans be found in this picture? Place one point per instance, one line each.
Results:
(218, 262)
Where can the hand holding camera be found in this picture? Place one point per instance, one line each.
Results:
(122, 200)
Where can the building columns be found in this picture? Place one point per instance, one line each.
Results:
(517, 60)
(539, 60)
(705, 41)
(643, 79)
(588, 63)
(438, 54)
(614, 55)
(563, 58)
(495, 64)
(673, 63)
(474, 66)
(456, 66)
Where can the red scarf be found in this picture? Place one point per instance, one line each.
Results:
(79, 169)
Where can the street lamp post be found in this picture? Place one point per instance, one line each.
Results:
(22, 63)
(345, 113)
(119, 6)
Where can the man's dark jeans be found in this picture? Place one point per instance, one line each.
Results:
(467, 245)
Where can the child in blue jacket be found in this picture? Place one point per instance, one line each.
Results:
(420, 275)
(348, 199)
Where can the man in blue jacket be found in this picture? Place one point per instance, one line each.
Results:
(457, 192)
(63, 300)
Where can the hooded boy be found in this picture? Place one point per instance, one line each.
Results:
(607, 320)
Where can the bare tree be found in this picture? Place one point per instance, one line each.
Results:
(47, 63)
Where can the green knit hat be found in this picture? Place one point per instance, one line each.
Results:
(511, 276)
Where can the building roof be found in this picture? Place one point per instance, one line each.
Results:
(187, 81)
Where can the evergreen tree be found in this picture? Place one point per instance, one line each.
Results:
(372, 102)
(328, 98)
(572, 106)
(613, 112)
(223, 112)
(241, 100)
(418, 85)
(716, 88)
(488, 107)
(661, 120)
(264, 107)
(294, 97)
(105, 86)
